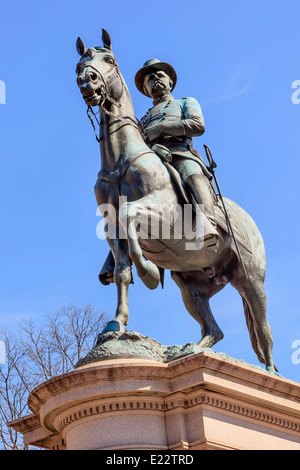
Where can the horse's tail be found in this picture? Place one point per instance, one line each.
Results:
(251, 325)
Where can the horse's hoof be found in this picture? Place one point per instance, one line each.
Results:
(152, 278)
(114, 325)
(112, 330)
(273, 370)
(209, 340)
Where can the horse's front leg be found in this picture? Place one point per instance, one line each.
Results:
(146, 270)
(122, 277)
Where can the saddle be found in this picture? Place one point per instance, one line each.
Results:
(240, 233)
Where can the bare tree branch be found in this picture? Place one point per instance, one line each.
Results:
(39, 353)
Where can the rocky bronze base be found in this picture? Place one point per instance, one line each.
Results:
(119, 344)
(131, 344)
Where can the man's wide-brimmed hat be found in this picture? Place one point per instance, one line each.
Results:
(152, 65)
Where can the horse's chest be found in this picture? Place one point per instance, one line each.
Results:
(106, 193)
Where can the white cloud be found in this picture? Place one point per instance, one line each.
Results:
(239, 81)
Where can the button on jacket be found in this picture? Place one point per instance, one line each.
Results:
(182, 120)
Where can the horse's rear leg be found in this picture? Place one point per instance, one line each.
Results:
(196, 290)
(255, 306)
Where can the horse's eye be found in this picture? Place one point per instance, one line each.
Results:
(109, 60)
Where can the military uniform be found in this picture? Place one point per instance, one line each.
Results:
(182, 120)
(174, 123)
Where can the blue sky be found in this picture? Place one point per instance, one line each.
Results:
(239, 61)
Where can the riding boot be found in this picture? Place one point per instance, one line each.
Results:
(198, 186)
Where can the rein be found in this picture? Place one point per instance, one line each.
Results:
(113, 177)
(105, 97)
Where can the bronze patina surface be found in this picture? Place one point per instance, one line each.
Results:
(154, 164)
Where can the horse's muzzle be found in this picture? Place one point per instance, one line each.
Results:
(92, 97)
(91, 87)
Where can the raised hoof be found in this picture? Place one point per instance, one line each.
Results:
(152, 278)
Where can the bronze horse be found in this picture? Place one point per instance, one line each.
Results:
(132, 171)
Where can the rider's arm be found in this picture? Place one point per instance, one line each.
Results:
(193, 120)
(191, 123)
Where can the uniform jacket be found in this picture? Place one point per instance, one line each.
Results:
(183, 120)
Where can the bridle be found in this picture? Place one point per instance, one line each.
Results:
(105, 96)
(115, 176)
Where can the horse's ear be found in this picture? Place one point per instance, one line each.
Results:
(106, 39)
(80, 47)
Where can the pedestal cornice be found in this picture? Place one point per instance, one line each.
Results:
(206, 400)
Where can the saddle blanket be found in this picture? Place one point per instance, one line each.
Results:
(237, 225)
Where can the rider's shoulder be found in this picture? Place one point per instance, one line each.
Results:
(189, 98)
(190, 103)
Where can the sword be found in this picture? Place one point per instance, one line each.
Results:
(211, 168)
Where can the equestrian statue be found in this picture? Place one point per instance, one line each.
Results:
(149, 165)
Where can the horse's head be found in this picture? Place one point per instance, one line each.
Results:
(98, 75)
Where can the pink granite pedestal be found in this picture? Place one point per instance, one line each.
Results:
(203, 401)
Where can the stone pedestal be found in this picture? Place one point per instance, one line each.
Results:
(202, 401)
